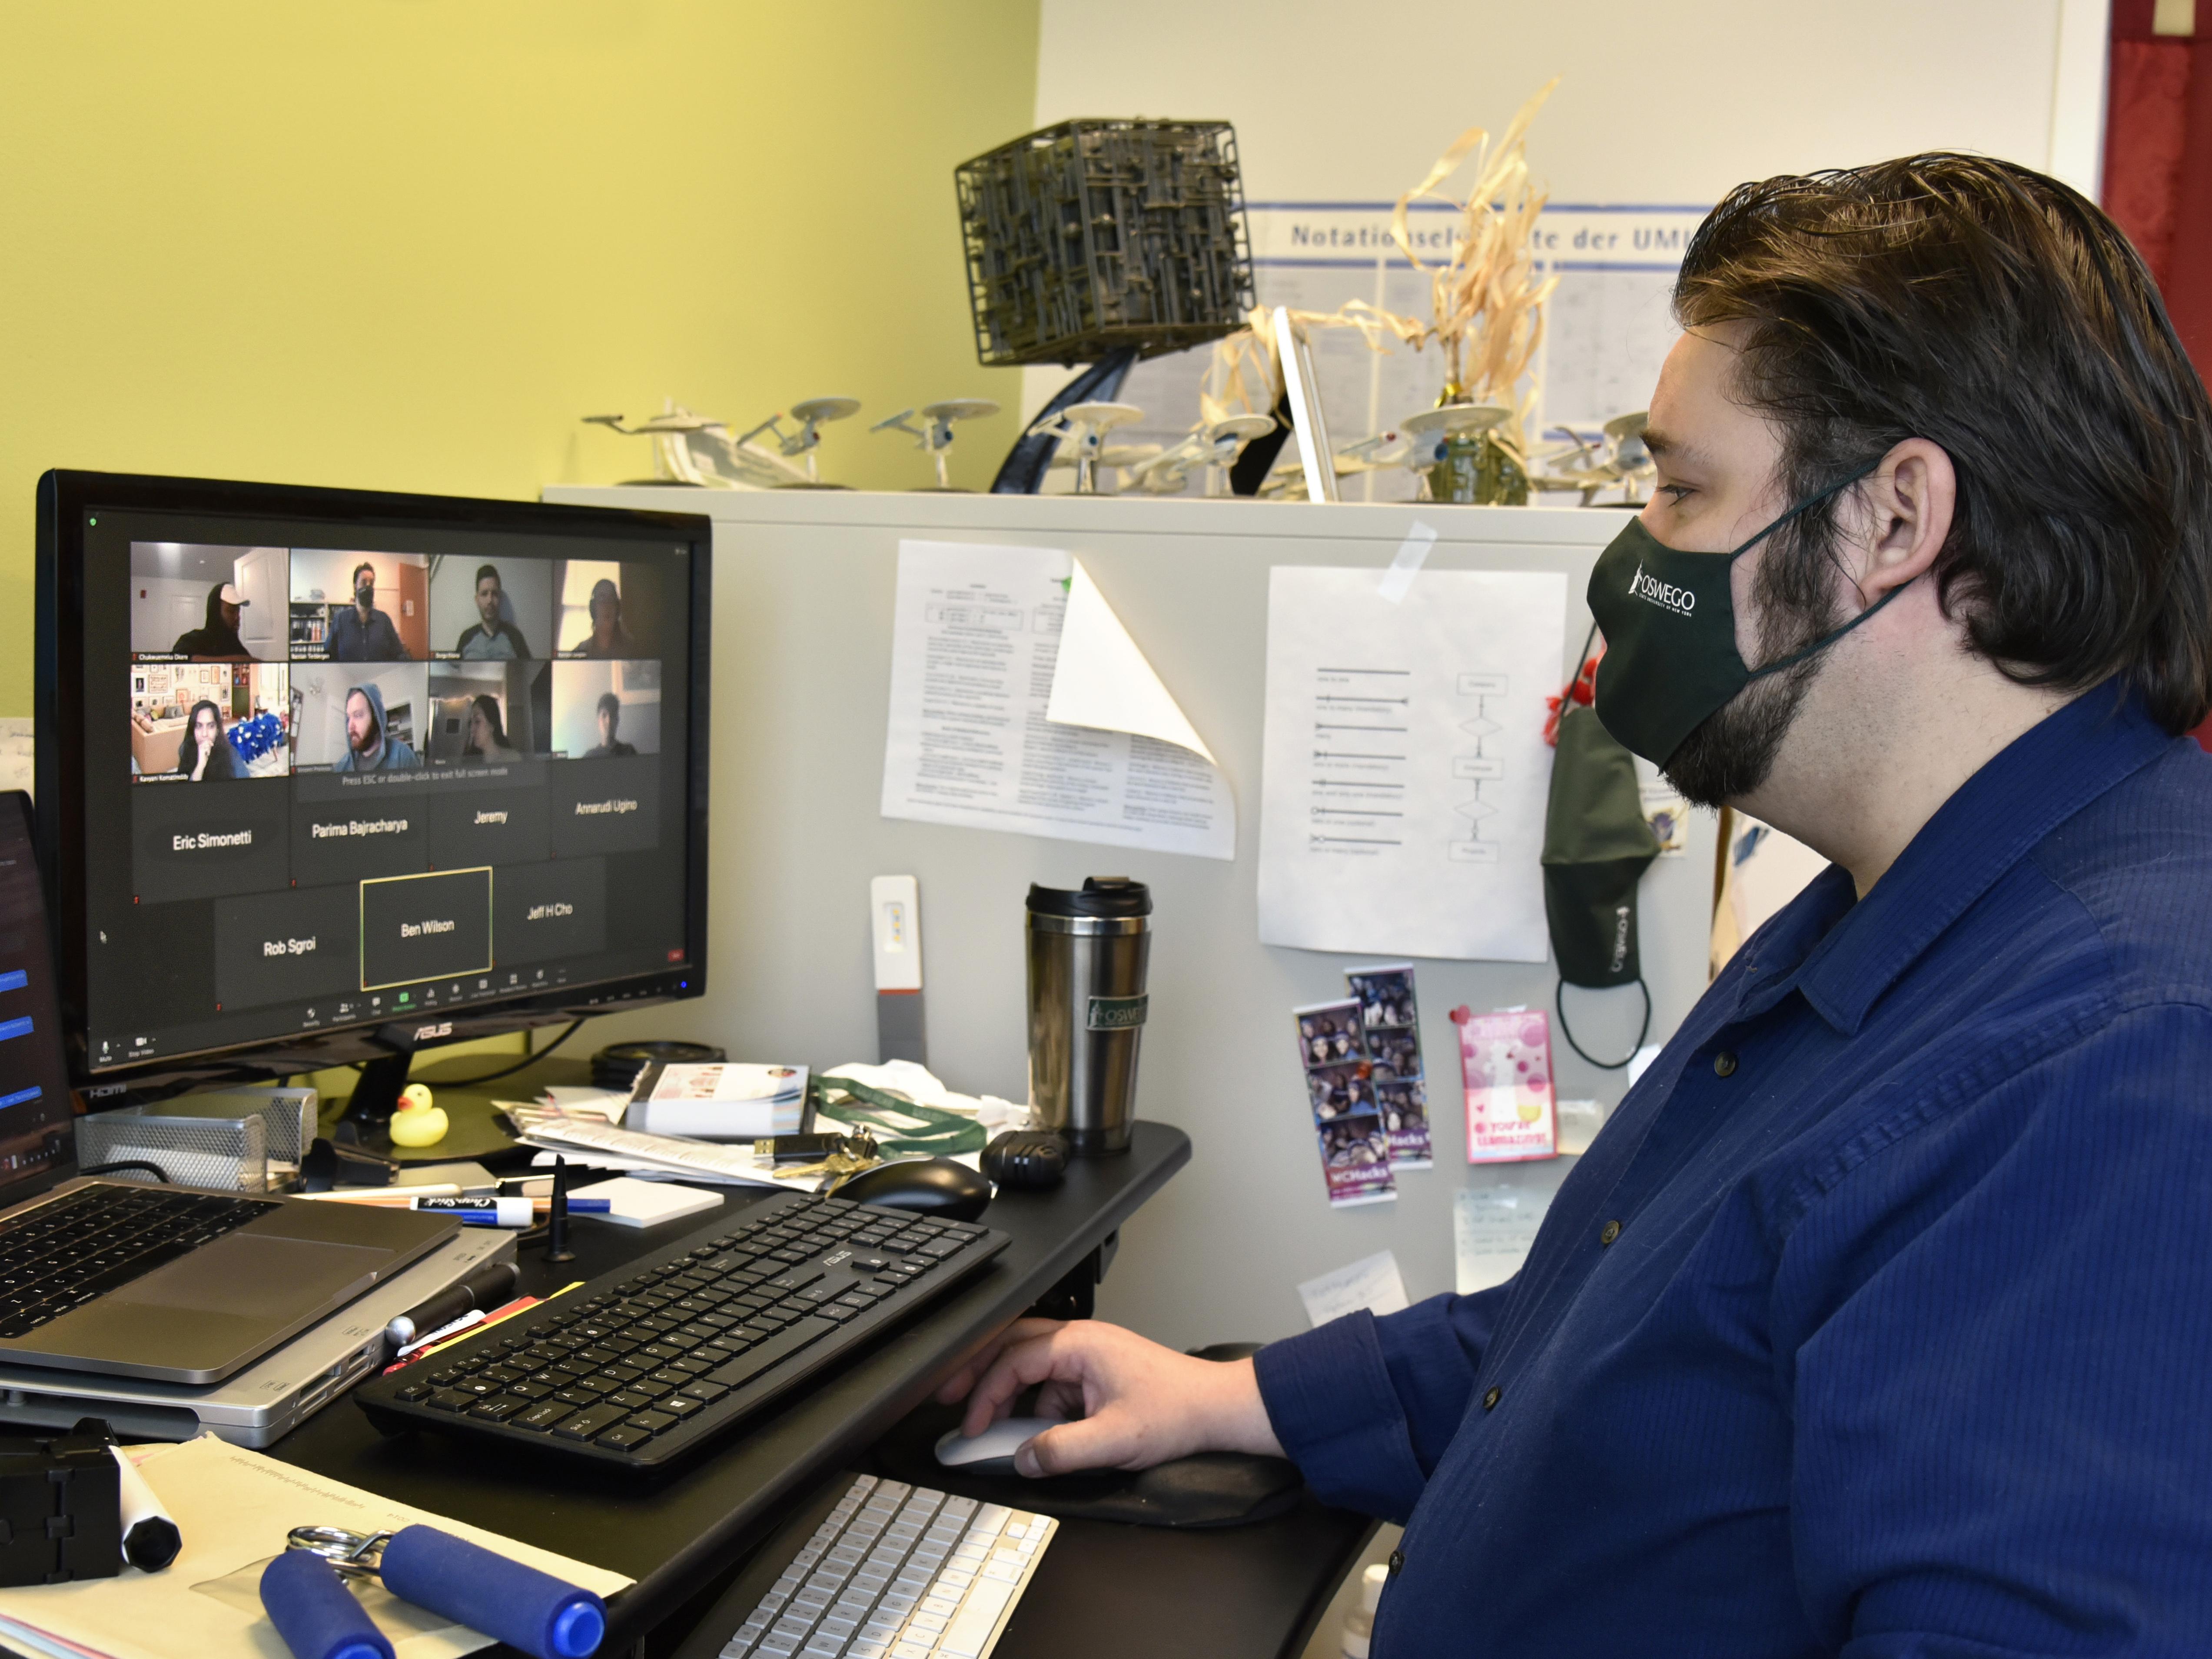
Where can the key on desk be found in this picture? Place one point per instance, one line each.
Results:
(898, 1572)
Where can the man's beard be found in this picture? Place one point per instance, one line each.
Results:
(1730, 752)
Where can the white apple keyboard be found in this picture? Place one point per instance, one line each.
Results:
(898, 1572)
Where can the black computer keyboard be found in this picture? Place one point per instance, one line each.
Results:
(645, 1365)
(89, 1241)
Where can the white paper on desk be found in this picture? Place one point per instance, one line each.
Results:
(1401, 807)
(1373, 1283)
(1019, 702)
(232, 1508)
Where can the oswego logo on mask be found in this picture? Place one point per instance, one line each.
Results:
(1679, 600)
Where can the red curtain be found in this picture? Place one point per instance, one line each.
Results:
(2158, 155)
(2158, 161)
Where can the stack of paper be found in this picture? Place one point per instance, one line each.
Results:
(600, 1145)
(720, 1101)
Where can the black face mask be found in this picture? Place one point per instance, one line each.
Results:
(1669, 618)
(365, 595)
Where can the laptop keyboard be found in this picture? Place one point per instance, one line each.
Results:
(898, 1572)
(92, 1240)
(647, 1363)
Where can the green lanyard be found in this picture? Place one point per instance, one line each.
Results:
(942, 1133)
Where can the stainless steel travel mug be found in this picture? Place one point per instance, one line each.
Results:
(1087, 952)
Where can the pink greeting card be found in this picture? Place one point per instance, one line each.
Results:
(1505, 1061)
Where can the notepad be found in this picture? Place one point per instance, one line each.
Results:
(646, 1203)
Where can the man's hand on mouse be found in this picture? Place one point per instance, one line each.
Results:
(1132, 1403)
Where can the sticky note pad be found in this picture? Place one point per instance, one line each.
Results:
(646, 1203)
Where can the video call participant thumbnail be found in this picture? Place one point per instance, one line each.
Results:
(609, 610)
(502, 826)
(360, 632)
(359, 607)
(359, 719)
(288, 946)
(611, 745)
(208, 723)
(487, 714)
(423, 928)
(493, 633)
(210, 603)
(606, 711)
(544, 911)
(218, 636)
(357, 834)
(371, 745)
(206, 755)
(604, 807)
(208, 844)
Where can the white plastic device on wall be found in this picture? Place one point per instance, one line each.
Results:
(895, 920)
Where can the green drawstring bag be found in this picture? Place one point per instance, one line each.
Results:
(1596, 847)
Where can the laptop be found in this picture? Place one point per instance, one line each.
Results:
(123, 1279)
(278, 1392)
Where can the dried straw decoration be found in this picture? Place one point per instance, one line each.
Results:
(1488, 303)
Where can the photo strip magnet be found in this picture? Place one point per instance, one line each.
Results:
(1506, 1062)
(1341, 1090)
(1390, 1021)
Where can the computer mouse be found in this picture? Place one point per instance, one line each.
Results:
(991, 1452)
(1031, 1160)
(928, 1186)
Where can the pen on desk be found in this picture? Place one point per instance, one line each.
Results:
(396, 1198)
(507, 1212)
(483, 1290)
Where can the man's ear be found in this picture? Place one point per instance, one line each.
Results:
(1906, 504)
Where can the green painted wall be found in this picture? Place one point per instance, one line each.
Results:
(406, 245)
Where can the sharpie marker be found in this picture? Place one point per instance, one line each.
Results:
(507, 1212)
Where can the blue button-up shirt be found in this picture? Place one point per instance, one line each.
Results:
(1903, 1345)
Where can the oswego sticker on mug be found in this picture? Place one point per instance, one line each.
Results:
(1116, 1013)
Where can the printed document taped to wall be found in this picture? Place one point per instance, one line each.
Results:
(1402, 795)
(1020, 701)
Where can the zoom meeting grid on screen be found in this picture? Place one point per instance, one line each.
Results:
(448, 766)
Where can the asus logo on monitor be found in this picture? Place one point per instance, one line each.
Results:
(431, 1033)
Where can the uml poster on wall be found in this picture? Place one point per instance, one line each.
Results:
(1607, 325)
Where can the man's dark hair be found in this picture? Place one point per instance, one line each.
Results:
(490, 570)
(364, 565)
(1996, 312)
(609, 704)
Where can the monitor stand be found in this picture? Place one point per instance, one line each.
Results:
(376, 1097)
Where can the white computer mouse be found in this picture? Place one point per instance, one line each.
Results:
(996, 1445)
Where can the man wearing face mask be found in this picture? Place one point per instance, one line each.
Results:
(362, 633)
(1874, 1320)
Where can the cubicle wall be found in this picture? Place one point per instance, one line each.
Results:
(803, 596)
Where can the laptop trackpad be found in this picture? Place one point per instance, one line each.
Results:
(272, 1278)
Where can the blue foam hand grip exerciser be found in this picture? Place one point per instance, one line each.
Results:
(518, 1605)
(315, 1614)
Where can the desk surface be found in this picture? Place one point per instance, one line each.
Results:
(678, 1535)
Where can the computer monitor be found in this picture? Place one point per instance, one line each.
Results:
(328, 775)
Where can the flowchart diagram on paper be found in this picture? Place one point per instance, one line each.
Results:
(1020, 701)
(1406, 772)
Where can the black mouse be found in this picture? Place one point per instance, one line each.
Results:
(928, 1186)
(1034, 1160)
